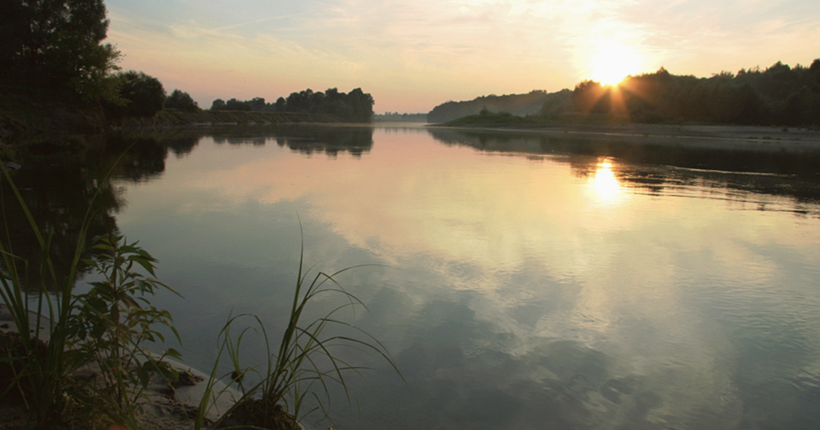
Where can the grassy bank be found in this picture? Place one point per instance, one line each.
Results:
(490, 119)
(609, 127)
(177, 118)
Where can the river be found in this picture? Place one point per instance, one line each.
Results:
(519, 281)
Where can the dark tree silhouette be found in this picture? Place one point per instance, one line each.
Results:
(143, 96)
(356, 106)
(517, 104)
(56, 45)
(234, 104)
(218, 104)
(182, 101)
(779, 95)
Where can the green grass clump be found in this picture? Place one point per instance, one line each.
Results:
(303, 366)
(61, 335)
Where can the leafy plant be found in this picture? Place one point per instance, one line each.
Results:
(112, 323)
(61, 335)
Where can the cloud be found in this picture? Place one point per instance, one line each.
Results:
(448, 49)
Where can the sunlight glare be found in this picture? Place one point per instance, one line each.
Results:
(605, 183)
(613, 62)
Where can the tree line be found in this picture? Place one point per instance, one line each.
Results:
(400, 117)
(355, 106)
(517, 104)
(779, 95)
(54, 50)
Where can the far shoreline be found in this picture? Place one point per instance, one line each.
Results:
(755, 138)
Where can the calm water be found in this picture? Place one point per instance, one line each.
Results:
(522, 281)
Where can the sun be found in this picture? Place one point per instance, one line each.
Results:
(612, 62)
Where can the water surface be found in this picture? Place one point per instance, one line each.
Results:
(519, 281)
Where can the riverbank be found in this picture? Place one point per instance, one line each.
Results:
(168, 405)
(176, 118)
(694, 136)
(35, 123)
(26, 120)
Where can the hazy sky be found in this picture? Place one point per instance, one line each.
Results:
(414, 55)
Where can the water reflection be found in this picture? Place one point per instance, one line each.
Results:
(355, 140)
(605, 183)
(531, 282)
(60, 190)
(666, 167)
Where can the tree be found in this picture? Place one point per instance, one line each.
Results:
(57, 45)
(591, 97)
(801, 108)
(143, 96)
(814, 70)
(257, 103)
(182, 101)
(234, 104)
(218, 104)
(356, 106)
(362, 104)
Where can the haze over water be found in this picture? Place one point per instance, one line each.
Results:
(533, 288)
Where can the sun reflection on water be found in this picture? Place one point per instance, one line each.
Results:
(605, 183)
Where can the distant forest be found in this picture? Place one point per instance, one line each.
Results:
(779, 95)
(355, 106)
(516, 104)
(400, 117)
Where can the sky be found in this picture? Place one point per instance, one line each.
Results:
(413, 55)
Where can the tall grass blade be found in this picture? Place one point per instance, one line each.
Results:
(305, 365)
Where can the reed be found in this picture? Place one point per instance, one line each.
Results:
(303, 366)
(38, 356)
(58, 332)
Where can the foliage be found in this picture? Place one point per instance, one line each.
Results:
(42, 373)
(60, 332)
(57, 45)
(112, 322)
(516, 104)
(590, 97)
(487, 118)
(218, 104)
(779, 95)
(182, 101)
(303, 366)
(356, 106)
(143, 96)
